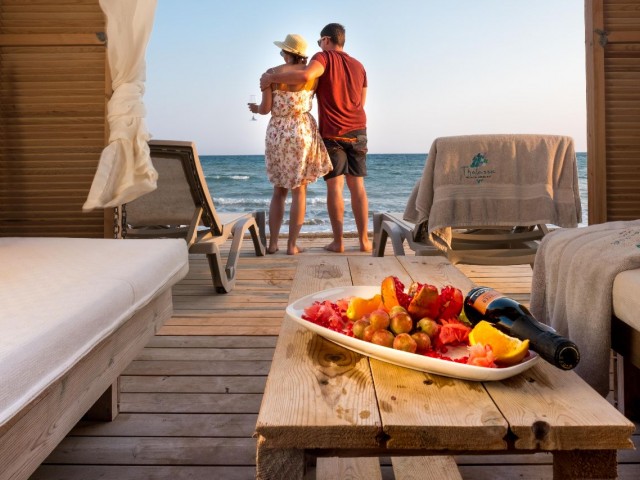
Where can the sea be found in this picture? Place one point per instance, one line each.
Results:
(238, 183)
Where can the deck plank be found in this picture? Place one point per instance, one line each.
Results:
(198, 385)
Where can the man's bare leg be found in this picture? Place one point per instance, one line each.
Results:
(360, 207)
(335, 207)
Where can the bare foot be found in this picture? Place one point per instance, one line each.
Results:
(295, 250)
(272, 250)
(366, 247)
(334, 247)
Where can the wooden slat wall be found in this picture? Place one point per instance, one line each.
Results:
(613, 80)
(52, 115)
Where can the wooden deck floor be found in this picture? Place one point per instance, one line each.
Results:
(189, 402)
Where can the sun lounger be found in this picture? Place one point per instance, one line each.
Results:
(182, 207)
(625, 340)
(572, 265)
(75, 312)
(486, 199)
(475, 245)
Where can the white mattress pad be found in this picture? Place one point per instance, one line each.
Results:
(59, 297)
(626, 297)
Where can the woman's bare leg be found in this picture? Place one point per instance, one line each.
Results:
(296, 217)
(276, 214)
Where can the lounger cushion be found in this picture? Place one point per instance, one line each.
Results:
(59, 297)
(626, 297)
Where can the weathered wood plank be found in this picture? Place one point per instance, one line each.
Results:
(190, 402)
(520, 397)
(165, 367)
(224, 330)
(332, 468)
(425, 468)
(171, 425)
(212, 342)
(129, 472)
(206, 354)
(192, 384)
(155, 451)
(340, 379)
(260, 319)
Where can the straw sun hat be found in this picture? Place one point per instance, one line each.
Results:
(293, 43)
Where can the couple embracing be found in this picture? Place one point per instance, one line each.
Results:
(297, 152)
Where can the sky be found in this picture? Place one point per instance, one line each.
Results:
(435, 68)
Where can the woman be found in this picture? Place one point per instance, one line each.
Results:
(294, 152)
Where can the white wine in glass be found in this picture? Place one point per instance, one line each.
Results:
(252, 101)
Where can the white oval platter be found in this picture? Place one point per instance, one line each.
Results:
(397, 357)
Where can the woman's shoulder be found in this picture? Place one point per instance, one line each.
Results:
(289, 87)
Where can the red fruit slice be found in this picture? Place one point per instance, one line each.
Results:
(451, 302)
(425, 303)
(453, 332)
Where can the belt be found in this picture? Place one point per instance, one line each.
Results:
(342, 139)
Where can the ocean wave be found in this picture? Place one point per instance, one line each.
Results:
(311, 221)
(223, 177)
(255, 202)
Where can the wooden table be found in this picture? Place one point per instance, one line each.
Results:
(324, 400)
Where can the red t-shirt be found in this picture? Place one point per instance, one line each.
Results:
(339, 93)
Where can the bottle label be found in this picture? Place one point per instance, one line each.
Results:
(482, 301)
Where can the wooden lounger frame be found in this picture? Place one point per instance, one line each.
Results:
(625, 340)
(32, 434)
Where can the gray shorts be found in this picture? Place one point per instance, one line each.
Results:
(348, 154)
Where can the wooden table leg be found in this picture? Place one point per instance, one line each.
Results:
(278, 463)
(581, 464)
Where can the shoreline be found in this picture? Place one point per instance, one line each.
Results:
(323, 235)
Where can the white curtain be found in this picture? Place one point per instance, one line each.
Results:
(125, 171)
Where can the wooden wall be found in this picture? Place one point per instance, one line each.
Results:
(613, 109)
(52, 115)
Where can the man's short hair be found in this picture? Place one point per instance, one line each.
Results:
(335, 32)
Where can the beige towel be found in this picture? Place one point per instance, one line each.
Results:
(572, 286)
(496, 180)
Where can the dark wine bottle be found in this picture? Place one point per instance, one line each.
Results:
(514, 319)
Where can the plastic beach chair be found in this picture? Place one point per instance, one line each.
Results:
(486, 199)
(478, 246)
(181, 207)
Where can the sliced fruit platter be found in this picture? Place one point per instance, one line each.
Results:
(419, 327)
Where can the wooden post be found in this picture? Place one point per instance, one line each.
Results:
(106, 407)
(596, 134)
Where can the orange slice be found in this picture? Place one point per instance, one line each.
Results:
(359, 307)
(388, 290)
(506, 350)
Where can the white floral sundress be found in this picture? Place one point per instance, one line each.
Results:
(294, 152)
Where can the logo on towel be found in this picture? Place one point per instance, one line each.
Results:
(475, 171)
(478, 161)
(627, 238)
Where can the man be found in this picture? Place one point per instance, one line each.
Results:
(341, 94)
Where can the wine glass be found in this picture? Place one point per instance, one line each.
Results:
(253, 101)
